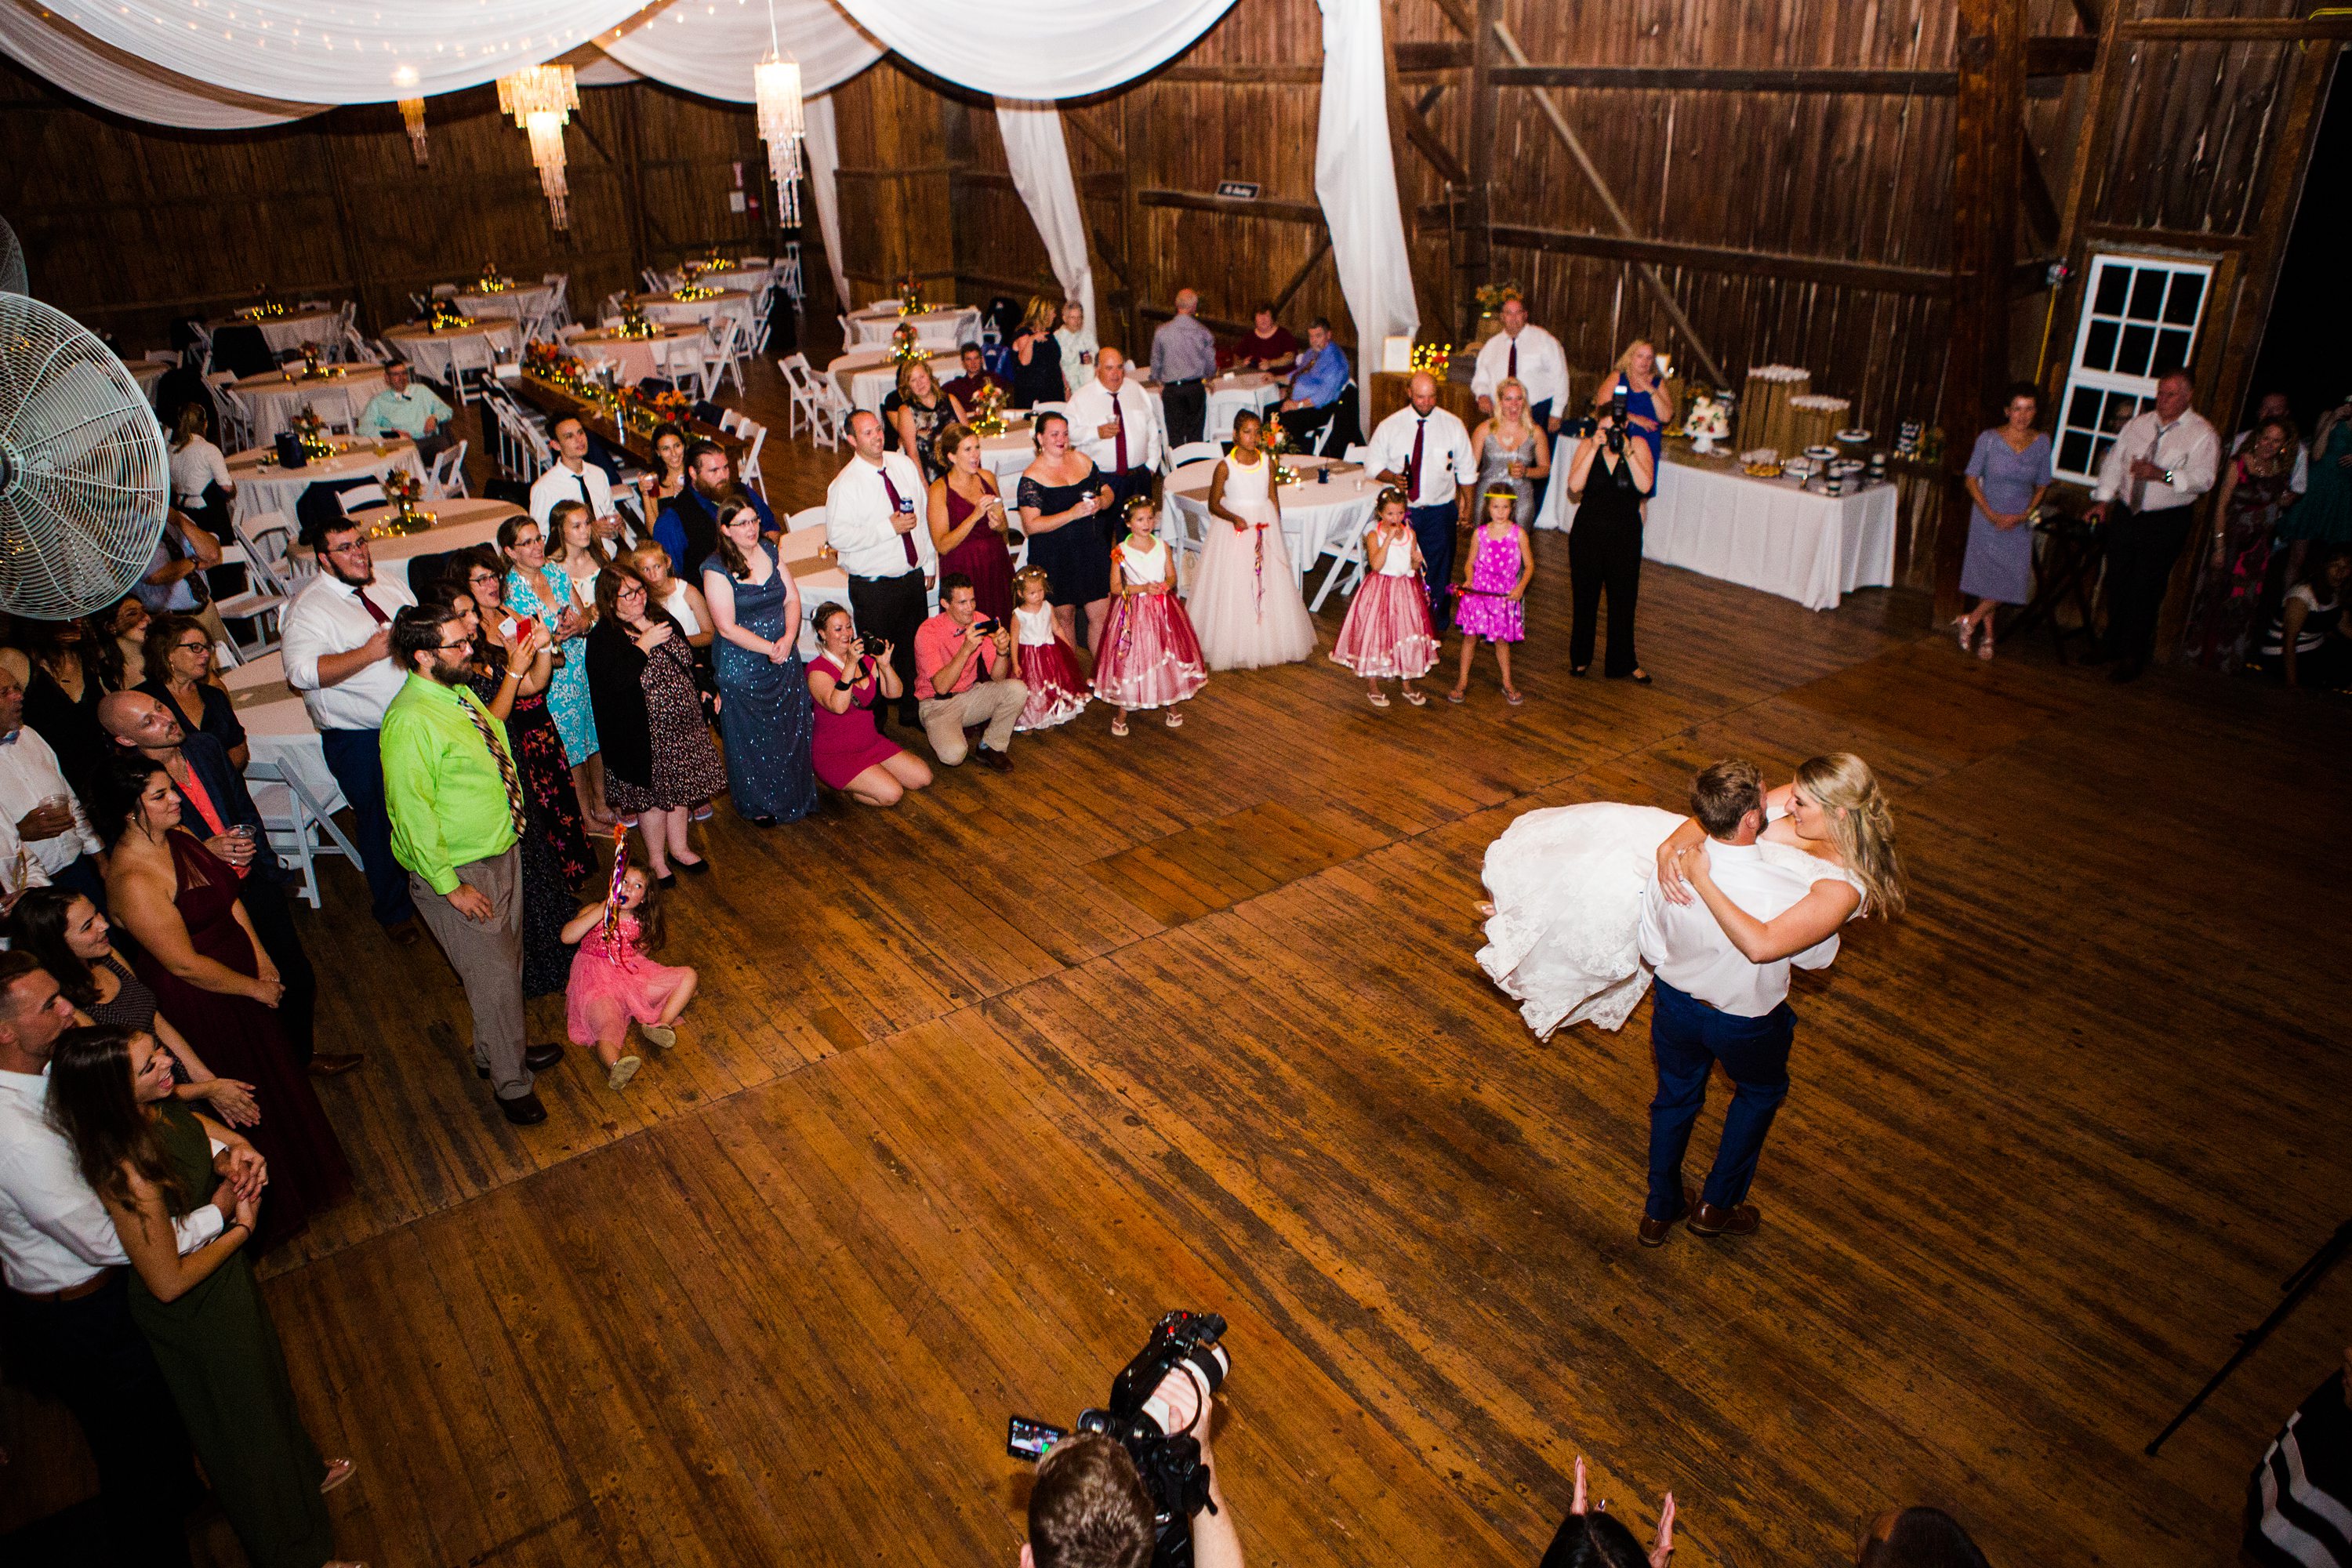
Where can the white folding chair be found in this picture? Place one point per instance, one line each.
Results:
(445, 291)
(447, 481)
(807, 517)
(559, 304)
(358, 497)
(718, 351)
(298, 823)
(569, 331)
(800, 381)
(1357, 452)
(230, 415)
(260, 547)
(757, 435)
(471, 356)
(1194, 452)
(332, 405)
(1347, 564)
(788, 270)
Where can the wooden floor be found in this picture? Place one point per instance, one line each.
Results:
(977, 1088)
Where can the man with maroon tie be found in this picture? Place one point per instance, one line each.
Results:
(1113, 421)
(1424, 451)
(873, 529)
(1527, 353)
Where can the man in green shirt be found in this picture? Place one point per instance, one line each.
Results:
(456, 803)
(403, 408)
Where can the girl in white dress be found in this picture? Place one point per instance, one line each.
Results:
(1149, 657)
(1048, 659)
(1245, 603)
(1388, 630)
(1563, 927)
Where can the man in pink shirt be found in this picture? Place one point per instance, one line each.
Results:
(963, 679)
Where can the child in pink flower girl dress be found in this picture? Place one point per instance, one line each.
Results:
(1387, 631)
(1149, 657)
(613, 983)
(1049, 659)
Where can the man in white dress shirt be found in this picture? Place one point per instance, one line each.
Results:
(872, 527)
(58, 841)
(1112, 421)
(1709, 1003)
(2160, 463)
(572, 477)
(1424, 451)
(338, 655)
(1528, 352)
(67, 1316)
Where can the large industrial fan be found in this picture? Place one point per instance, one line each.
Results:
(13, 279)
(84, 477)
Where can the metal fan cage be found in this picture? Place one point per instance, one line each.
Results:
(84, 473)
(13, 277)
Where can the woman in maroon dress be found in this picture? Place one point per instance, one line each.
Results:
(969, 523)
(211, 977)
(848, 753)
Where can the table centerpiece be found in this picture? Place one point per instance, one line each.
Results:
(1276, 438)
(911, 295)
(988, 411)
(632, 324)
(688, 293)
(404, 490)
(1432, 359)
(311, 432)
(443, 316)
(492, 281)
(906, 346)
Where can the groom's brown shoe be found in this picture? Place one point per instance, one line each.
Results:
(1654, 1231)
(1740, 1219)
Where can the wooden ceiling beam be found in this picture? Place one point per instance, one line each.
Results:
(1426, 142)
(1458, 16)
(1199, 201)
(1298, 278)
(2061, 55)
(1709, 78)
(2238, 29)
(1871, 275)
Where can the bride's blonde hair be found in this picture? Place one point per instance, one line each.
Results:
(1842, 785)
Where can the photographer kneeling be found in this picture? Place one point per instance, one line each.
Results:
(1090, 1509)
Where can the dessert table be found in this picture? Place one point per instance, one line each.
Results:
(289, 332)
(431, 350)
(457, 525)
(670, 310)
(523, 299)
(1710, 518)
(867, 376)
(274, 399)
(264, 486)
(949, 327)
(1317, 518)
(635, 356)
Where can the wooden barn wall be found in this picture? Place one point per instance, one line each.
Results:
(128, 225)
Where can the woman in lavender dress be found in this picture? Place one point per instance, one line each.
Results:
(2008, 475)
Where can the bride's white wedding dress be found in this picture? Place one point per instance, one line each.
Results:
(1566, 884)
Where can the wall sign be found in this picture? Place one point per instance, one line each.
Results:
(1238, 190)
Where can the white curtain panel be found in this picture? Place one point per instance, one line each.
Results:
(821, 148)
(1355, 179)
(710, 47)
(1040, 158)
(114, 80)
(345, 51)
(1037, 48)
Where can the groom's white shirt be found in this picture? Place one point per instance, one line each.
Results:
(1688, 950)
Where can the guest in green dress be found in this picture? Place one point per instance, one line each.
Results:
(150, 1160)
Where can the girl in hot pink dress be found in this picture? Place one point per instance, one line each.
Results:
(1490, 601)
(614, 984)
(1049, 660)
(1387, 631)
(1149, 657)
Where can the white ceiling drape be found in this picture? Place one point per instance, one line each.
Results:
(112, 78)
(712, 47)
(1355, 179)
(1037, 48)
(1038, 153)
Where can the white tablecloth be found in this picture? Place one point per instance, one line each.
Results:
(1006, 456)
(274, 400)
(459, 524)
(635, 356)
(826, 584)
(949, 327)
(523, 299)
(752, 276)
(869, 375)
(674, 312)
(1229, 394)
(278, 727)
(289, 332)
(261, 490)
(430, 351)
(148, 374)
(1315, 518)
(1759, 533)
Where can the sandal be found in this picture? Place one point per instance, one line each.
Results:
(1514, 697)
(661, 1035)
(1174, 720)
(1457, 695)
(1416, 697)
(1378, 699)
(1965, 631)
(338, 1472)
(1118, 727)
(1984, 649)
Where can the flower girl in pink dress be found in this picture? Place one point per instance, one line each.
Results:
(1048, 659)
(1387, 631)
(1490, 600)
(1149, 657)
(613, 983)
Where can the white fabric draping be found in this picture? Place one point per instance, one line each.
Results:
(1355, 179)
(821, 146)
(112, 78)
(1039, 156)
(712, 48)
(345, 51)
(1037, 48)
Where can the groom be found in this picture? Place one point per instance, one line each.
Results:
(1709, 1003)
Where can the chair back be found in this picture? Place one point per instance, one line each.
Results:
(808, 516)
(447, 478)
(1194, 452)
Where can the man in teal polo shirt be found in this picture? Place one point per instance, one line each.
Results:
(456, 803)
(403, 408)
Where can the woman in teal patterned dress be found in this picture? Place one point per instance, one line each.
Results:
(150, 1158)
(538, 590)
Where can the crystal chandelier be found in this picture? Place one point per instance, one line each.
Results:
(412, 114)
(541, 98)
(776, 84)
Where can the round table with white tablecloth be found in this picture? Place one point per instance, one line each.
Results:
(337, 393)
(1006, 456)
(1229, 394)
(947, 328)
(821, 579)
(262, 486)
(523, 299)
(1710, 518)
(278, 727)
(149, 374)
(751, 276)
(871, 376)
(1317, 517)
(289, 332)
(672, 312)
(457, 524)
(430, 351)
(635, 357)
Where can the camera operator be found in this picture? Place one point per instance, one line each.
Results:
(1608, 478)
(1089, 1509)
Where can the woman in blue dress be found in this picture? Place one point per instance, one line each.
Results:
(765, 714)
(1649, 407)
(535, 591)
(2007, 474)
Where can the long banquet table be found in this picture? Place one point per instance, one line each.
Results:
(559, 403)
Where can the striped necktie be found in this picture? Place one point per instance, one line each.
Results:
(474, 711)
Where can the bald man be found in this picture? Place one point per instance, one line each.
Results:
(1183, 362)
(1424, 451)
(1113, 422)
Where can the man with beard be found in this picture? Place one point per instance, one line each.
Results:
(688, 525)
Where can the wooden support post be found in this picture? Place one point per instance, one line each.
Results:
(1144, 281)
(633, 130)
(1474, 211)
(1650, 276)
(1987, 136)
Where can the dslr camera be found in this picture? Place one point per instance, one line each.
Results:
(1617, 420)
(1145, 1402)
(872, 643)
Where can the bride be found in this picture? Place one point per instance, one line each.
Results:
(1563, 931)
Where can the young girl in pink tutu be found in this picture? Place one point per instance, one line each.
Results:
(1387, 631)
(1048, 659)
(1149, 657)
(613, 983)
(1490, 600)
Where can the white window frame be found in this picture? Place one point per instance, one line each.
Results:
(2142, 388)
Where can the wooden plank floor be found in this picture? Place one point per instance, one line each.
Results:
(977, 1088)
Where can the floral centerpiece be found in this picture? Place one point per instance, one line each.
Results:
(988, 411)
(492, 281)
(263, 310)
(906, 346)
(404, 490)
(714, 262)
(633, 323)
(911, 295)
(687, 293)
(648, 409)
(1432, 358)
(1276, 439)
(1492, 295)
(549, 362)
(312, 431)
(443, 316)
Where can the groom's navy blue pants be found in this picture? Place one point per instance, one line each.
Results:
(1687, 1038)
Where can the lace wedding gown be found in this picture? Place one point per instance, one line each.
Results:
(1566, 884)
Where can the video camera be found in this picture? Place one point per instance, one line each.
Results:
(1144, 1403)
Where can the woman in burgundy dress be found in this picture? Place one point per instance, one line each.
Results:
(849, 754)
(210, 975)
(969, 523)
